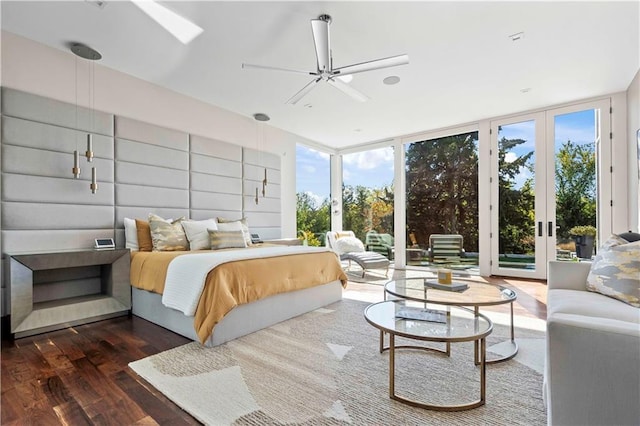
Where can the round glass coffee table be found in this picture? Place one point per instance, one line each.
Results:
(475, 296)
(455, 324)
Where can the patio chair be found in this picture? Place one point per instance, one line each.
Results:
(445, 248)
(352, 249)
(379, 243)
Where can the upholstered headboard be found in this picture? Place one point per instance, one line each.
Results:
(141, 168)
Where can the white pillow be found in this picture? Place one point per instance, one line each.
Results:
(131, 234)
(197, 234)
(230, 226)
(348, 245)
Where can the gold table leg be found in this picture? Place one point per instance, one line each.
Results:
(514, 344)
(459, 407)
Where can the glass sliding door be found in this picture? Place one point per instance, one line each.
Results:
(579, 179)
(518, 235)
(442, 202)
(551, 188)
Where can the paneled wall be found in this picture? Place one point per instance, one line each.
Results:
(43, 206)
(216, 179)
(263, 215)
(151, 172)
(141, 168)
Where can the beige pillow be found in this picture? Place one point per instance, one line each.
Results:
(226, 239)
(167, 236)
(245, 227)
(615, 271)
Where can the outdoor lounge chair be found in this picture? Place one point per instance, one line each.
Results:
(365, 259)
(445, 248)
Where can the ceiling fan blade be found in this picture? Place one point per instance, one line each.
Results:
(265, 67)
(306, 89)
(320, 30)
(345, 88)
(180, 27)
(377, 64)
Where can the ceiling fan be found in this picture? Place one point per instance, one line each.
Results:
(326, 72)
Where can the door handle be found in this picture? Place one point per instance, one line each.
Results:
(550, 230)
(539, 229)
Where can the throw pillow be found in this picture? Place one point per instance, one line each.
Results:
(130, 234)
(245, 227)
(615, 271)
(348, 245)
(167, 236)
(226, 239)
(143, 232)
(196, 231)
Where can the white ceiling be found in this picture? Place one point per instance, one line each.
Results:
(463, 65)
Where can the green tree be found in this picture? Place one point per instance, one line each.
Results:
(516, 220)
(575, 185)
(365, 209)
(442, 188)
(311, 217)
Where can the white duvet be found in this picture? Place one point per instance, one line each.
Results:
(186, 275)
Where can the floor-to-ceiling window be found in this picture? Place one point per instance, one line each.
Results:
(313, 194)
(367, 198)
(442, 201)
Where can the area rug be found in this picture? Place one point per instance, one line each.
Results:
(324, 368)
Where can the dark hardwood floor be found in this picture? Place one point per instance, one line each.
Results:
(79, 376)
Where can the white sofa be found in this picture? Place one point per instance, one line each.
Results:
(592, 371)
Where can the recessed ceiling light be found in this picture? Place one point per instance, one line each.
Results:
(261, 117)
(98, 3)
(346, 78)
(392, 79)
(525, 90)
(517, 36)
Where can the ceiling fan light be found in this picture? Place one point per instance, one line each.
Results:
(180, 27)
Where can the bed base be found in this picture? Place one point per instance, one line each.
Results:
(243, 319)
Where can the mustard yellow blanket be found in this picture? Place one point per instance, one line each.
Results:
(239, 282)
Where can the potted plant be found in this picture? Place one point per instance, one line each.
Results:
(584, 237)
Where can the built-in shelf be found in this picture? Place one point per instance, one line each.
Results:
(74, 287)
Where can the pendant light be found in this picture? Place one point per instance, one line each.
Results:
(262, 117)
(85, 52)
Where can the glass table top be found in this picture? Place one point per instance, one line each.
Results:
(477, 294)
(461, 324)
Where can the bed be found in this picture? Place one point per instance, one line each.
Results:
(249, 290)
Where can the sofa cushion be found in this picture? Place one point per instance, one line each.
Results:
(615, 271)
(590, 304)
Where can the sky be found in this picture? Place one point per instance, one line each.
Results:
(578, 127)
(374, 168)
